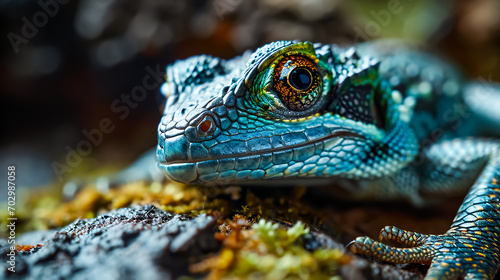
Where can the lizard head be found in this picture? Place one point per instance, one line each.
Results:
(289, 110)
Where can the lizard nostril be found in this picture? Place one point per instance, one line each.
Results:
(205, 126)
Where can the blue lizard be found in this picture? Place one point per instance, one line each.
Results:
(392, 120)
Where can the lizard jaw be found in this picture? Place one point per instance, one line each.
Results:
(289, 161)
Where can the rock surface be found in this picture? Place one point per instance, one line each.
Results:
(130, 243)
(145, 242)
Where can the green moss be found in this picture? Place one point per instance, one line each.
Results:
(272, 252)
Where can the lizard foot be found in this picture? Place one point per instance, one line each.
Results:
(451, 255)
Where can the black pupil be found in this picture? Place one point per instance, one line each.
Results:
(300, 79)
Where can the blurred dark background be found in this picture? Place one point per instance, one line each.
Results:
(64, 64)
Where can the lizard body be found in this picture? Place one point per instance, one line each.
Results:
(391, 120)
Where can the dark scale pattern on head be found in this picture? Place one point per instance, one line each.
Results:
(196, 70)
(355, 104)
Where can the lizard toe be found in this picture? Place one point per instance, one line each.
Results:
(451, 255)
(369, 247)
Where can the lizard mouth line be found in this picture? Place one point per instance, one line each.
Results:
(336, 134)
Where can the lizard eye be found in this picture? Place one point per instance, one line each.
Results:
(296, 80)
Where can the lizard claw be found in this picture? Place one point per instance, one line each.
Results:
(451, 255)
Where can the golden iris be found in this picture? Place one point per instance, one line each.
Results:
(296, 81)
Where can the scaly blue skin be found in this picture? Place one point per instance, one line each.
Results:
(380, 119)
